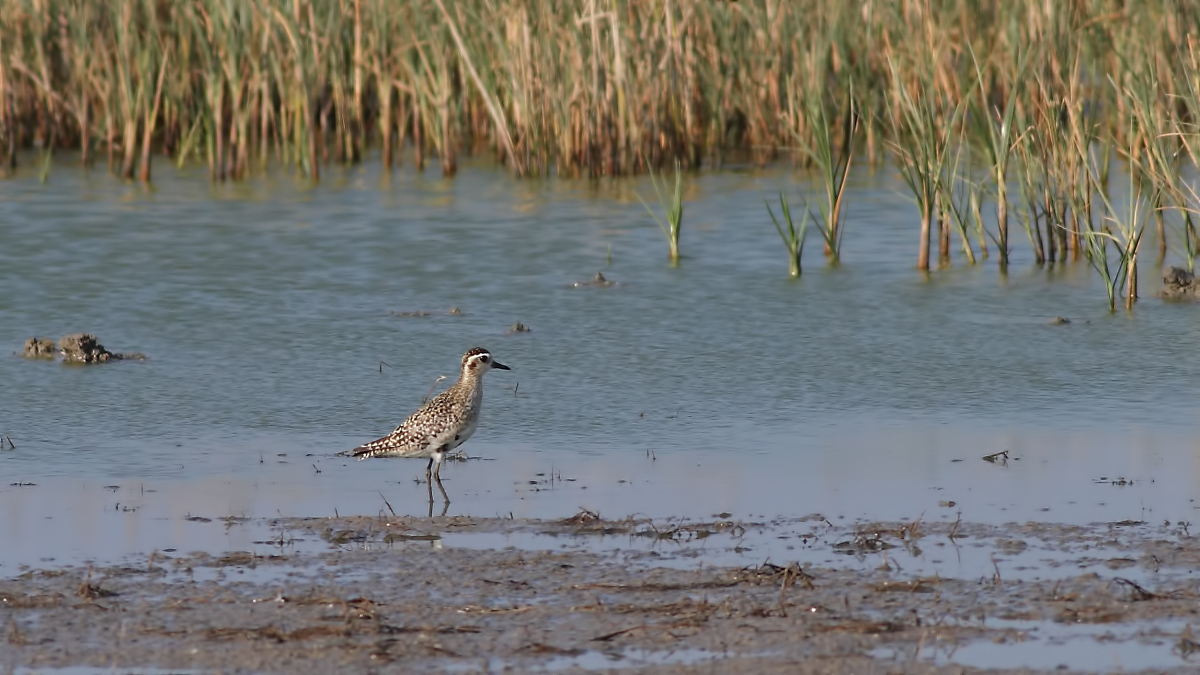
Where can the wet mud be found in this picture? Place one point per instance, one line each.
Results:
(1179, 284)
(80, 348)
(40, 348)
(387, 594)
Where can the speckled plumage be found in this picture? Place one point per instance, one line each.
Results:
(443, 423)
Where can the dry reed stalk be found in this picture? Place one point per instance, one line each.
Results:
(150, 118)
(610, 88)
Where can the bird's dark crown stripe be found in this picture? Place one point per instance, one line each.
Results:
(475, 351)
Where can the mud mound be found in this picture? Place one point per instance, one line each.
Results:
(75, 348)
(1179, 284)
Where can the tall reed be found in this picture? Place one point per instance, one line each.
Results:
(607, 88)
(958, 196)
(922, 136)
(997, 130)
(1121, 229)
(832, 162)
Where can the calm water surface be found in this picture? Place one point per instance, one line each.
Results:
(861, 392)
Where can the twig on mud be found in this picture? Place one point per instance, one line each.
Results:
(476, 609)
(791, 574)
(385, 501)
(11, 445)
(954, 530)
(1139, 593)
(912, 530)
(382, 364)
(89, 591)
(584, 517)
(1001, 457)
(543, 648)
(608, 636)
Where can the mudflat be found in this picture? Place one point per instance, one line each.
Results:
(398, 594)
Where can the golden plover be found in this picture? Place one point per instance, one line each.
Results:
(442, 424)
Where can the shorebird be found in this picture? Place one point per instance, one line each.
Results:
(442, 424)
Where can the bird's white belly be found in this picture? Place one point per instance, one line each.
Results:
(465, 432)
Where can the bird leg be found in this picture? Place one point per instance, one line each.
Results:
(445, 498)
(429, 483)
(437, 475)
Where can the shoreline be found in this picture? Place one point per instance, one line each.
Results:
(393, 594)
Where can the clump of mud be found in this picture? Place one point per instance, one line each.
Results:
(599, 280)
(75, 348)
(39, 348)
(1179, 284)
(421, 313)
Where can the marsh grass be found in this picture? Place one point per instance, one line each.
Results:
(922, 139)
(1120, 232)
(832, 162)
(958, 196)
(603, 87)
(1161, 171)
(1188, 243)
(671, 202)
(616, 87)
(46, 162)
(997, 131)
(793, 237)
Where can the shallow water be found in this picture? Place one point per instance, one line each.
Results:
(861, 392)
(1049, 645)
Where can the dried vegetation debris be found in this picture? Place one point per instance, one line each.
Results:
(83, 348)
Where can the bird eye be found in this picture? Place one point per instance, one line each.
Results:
(484, 358)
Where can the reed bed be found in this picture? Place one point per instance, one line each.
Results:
(992, 110)
(588, 87)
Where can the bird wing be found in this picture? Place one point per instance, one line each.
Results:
(414, 436)
(396, 444)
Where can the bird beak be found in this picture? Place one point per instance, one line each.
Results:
(501, 366)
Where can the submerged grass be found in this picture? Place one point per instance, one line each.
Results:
(833, 165)
(672, 206)
(793, 238)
